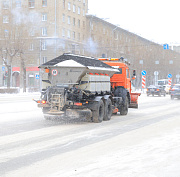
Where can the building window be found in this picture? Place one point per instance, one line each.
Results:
(18, 4)
(63, 32)
(5, 4)
(44, 45)
(79, 10)
(69, 20)
(31, 3)
(31, 32)
(74, 8)
(74, 35)
(83, 12)
(104, 31)
(5, 19)
(78, 23)
(83, 24)
(44, 17)
(78, 36)
(69, 34)
(63, 17)
(69, 6)
(64, 4)
(74, 21)
(115, 35)
(6, 33)
(44, 31)
(44, 3)
(44, 59)
(31, 47)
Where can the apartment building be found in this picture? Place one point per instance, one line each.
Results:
(40, 30)
(108, 40)
(47, 28)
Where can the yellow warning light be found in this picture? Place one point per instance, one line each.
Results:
(114, 59)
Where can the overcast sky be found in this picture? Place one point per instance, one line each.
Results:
(155, 20)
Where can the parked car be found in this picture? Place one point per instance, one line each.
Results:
(156, 90)
(175, 91)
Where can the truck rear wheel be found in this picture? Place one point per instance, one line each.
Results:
(98, 114)
(107, 109)
(124, 107)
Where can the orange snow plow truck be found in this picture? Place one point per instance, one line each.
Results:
(122, 79)
(80, 86)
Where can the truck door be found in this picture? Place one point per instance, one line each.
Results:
(128, 80)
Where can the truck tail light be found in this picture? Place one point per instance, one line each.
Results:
(42, 101)
(78, 104)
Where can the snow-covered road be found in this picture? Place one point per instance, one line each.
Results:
(145, 143)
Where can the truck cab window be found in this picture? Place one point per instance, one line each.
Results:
(120, 71)
(127, 73)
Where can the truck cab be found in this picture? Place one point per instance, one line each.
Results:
(122, 78)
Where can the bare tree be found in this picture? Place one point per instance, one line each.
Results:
(9, 49)
(15, 43)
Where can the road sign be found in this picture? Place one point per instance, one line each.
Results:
(169, 75)
(3, 68)
(54, 72)
(143, 73)
(165, 46)
(37, 76)
(156, 73)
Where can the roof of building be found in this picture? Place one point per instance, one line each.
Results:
(82, 60)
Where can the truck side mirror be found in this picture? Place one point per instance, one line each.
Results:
(134, 74)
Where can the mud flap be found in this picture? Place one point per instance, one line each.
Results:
(134, 100)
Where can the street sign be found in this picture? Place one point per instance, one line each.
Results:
(3, 68)
(54, 72)
(177, 76)
(143, 73)
(165, 46)
(37, 76)
(169, 75)
(156, 73)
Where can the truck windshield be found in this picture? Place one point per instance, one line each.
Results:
(120, 71)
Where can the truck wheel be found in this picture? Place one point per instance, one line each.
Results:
(107, 109)
(98, 114)
(124, 108)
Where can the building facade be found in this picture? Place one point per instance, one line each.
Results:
(40, 30)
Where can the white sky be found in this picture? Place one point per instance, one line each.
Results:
(155, 20)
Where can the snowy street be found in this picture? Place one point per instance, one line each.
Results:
(145, 143)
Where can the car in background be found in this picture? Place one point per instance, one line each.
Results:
(156, 90)
(167, 88)
(175, 91)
